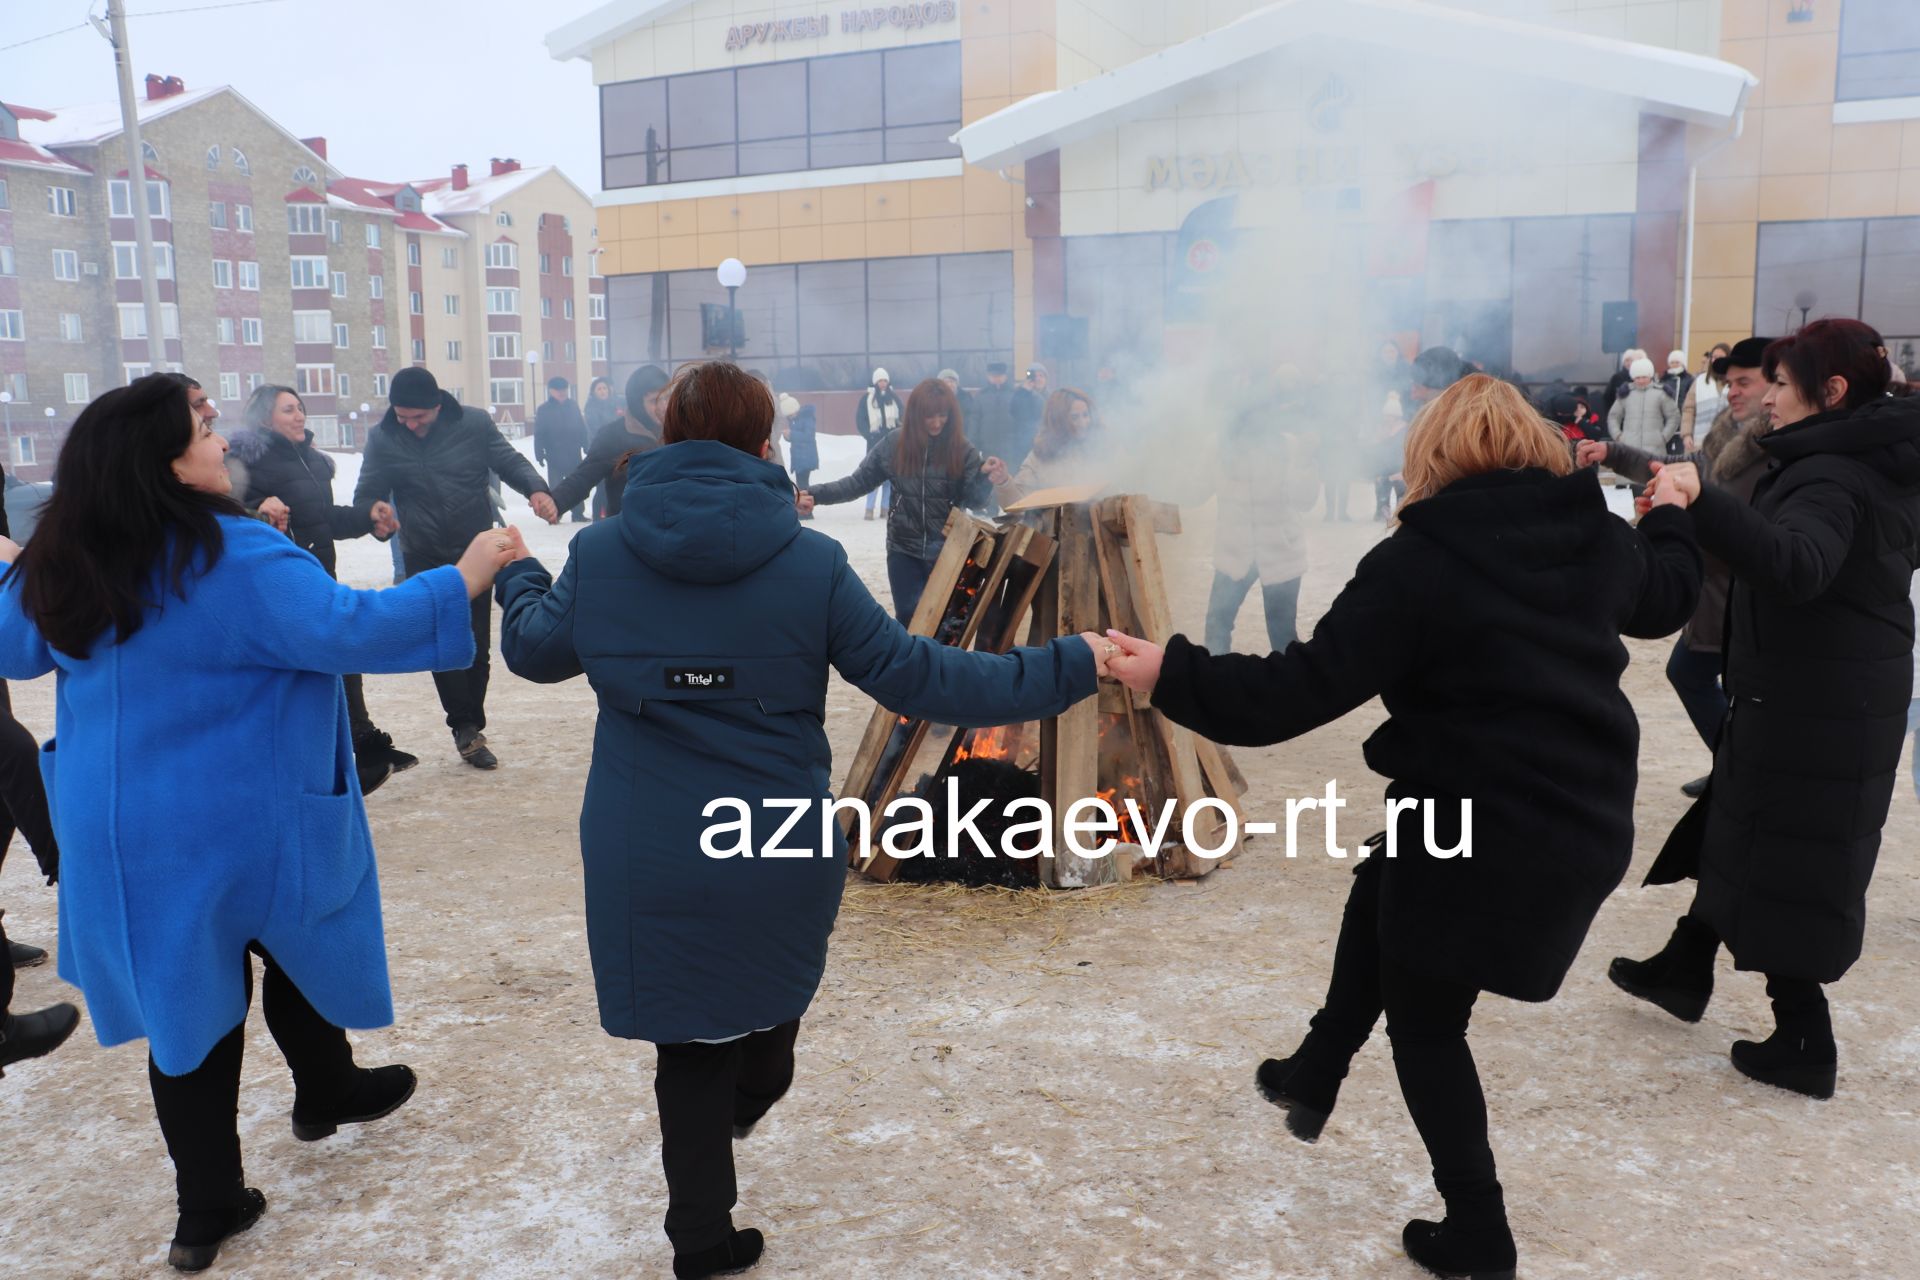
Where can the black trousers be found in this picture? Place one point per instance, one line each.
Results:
(463, 694)
(1427, 1024)
(23, 794)
(6, 970)
(199, 1110)
(703, 1090)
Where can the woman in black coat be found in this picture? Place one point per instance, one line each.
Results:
(278, 473)
(1489, 623)
(1818, 673)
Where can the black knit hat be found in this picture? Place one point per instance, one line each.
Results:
(1746, 354)
(413, 388)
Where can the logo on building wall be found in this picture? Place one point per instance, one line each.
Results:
(852, 21)
(1800, 11)
(1327, 109)
(1230, 170)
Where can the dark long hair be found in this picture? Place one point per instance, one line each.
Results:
(920, 452)
(115, 505)
(1828, 349)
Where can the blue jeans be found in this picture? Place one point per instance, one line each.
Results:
(883, 495)
(1695, 676)
(1282, 601)
(907, 575)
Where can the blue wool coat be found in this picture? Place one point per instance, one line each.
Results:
(204, 794)
(707, 575)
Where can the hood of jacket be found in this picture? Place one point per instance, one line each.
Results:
(251, 444)
(1884, 434)
(1525, 531)
(702, 511)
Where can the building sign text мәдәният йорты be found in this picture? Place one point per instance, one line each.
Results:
(852, 21)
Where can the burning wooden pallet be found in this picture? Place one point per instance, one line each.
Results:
(1063, 566)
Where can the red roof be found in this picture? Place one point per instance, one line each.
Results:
(13, 151)
(26, 113)
(153, 174)
(420, 222)
(305, 195)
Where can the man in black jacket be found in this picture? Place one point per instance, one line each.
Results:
(433, 454)
(560, 437)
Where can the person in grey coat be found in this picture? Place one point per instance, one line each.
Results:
(1644, 418)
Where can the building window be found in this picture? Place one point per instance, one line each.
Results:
(502, 391)
(345, 384)
(13, 326)
(596, 306)
(566, 308)
(380, 384)
(1879, 50)
(414, 304)
(213, 157)
(593, 265)
(373, 235)
(120, 199)
(24, 454)
(503, 219)
(313, 379)
(570, 349)
(305, 176)
(6, 260)
(224, 330)
(413, 253)
(77, 388)
(217, 213)
(134, 372)
(308, 272)
(339, 284)
(453, 350)
(229, 382)
(450, 259)
(240, 161)
(333, 230)
(546, 308)
(503, 346)
(3, 195)
(17, 384)
(243, 217)
(503, 254)
(249, 275)
(378, 339)
(452, 304)
(599, 347)
(222, 273)
(133, 320)
(340, 337)
(1860, 269)
(126, 260)
(62, 202)
(66, 264)
(566, 265)
(250, 331)
(419, 350)
(70, 326)
(255, 381)
(875, 107)
(376, 286)
(312, 326)
(306, 219)
(503, 302)
(546, 264)
(546, 352)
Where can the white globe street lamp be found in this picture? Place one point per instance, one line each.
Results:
(733, 274)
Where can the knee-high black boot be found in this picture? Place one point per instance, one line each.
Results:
(1678, 977)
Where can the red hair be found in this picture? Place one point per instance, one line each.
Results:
(920, 451)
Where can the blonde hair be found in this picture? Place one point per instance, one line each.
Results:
(1477, 425)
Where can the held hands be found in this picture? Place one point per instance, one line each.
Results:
(9, 550)
(1674, 484)
(1590, 453)
(803, 503)
(1136, 665)
(544, 508)
(385, 522)
(275, 512)
(486, 555)
(995, 470)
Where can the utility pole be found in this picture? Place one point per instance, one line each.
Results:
(116, 35)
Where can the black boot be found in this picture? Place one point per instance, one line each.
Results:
(736, 1253)
(1483, 1252)
(1800, 1055)
(375, 1093)
(34, 1035)
(1305, 1086)
(1679, 977)
(199, 1235)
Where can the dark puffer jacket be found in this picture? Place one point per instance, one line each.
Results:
(1489, 625)
(921, 502)
(1819, 671)
(265, 464)
(440, 483)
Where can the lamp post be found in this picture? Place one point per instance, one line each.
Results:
(533, 382)
(6, 406)
(733, 274)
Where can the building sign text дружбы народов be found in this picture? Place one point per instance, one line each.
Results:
(852, 21)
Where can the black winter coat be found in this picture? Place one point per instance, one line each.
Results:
(559, 437)
(990, 422)
(302, 477)
(921, 502)
(440, 483)
(610, 444)
(1819, 671)
(1490, 626)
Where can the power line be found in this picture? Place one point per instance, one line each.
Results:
(78, 26)
(203, 8)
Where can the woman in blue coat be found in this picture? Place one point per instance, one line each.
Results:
(203, 788)
(706, 620)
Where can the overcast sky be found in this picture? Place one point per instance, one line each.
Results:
(399, 88)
